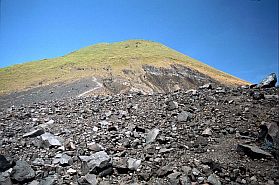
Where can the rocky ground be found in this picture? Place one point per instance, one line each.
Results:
(48, 92)
(154, 79)
(206, 136)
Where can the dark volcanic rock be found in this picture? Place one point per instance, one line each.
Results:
(137, 139)
(34, 133)
(252, 151)
(268, 82)
(4, 163)
(270, 133)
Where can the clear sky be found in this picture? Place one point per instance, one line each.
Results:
(239, 37)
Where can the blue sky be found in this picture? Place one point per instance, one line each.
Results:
(239, 37)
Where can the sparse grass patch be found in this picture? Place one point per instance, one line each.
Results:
(100, 60)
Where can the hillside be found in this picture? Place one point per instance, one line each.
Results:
(117, 66)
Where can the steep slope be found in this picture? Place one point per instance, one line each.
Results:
(121, 66)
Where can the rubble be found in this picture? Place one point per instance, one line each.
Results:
(206, 136)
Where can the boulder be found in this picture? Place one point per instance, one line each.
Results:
(268, 82)
(4, 163)
(22, 172)
(270, 134)
(213, 179)
(91, 179)
(97, 162)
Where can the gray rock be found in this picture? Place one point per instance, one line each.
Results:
(152, 135)
(34, 133)
(71, 171)
(22, 171)
(187, 170)
(133, 164)
(50, 140)
(184, 116)
(172, 105)
(120, 163)
(164, 171)
(48, 181)
(195, 172)
(206, 86)
(174, 178)
(165, 150)
(38, 162)
(65, 160)
(95, 147)
(34, 182)
(185, 180)
(213, 179)
(91, 179)
(5, 179)
(252, 151)
(97, 162)
(207, 132)
(269, 81)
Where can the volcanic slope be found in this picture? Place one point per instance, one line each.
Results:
(204, 136)
(120, 67)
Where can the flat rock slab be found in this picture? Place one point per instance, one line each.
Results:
(34, 133)
(51, 140)
(253, 152)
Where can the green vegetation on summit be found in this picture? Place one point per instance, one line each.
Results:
(102, 61)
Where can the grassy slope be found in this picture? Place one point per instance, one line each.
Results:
(94, 61)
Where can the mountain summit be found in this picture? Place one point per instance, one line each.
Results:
(134, 65)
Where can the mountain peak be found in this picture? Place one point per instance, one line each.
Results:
(127, 61)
